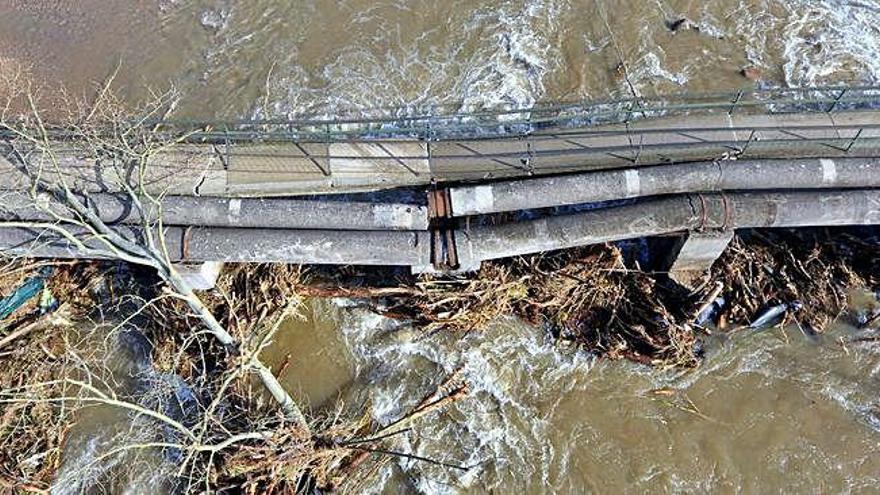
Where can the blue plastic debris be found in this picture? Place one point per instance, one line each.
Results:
(27, 291)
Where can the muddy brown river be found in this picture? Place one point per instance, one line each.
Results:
(769, 411)
(274, 58)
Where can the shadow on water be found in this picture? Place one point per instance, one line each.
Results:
(93, 458)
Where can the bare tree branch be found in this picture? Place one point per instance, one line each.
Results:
(105, 135)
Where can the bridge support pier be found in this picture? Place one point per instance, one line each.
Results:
(200, 276)
(694, 255)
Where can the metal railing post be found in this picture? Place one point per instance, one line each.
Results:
(748, 143)
(227, 156)
(735, 102)
(853, 142)
(837, 100)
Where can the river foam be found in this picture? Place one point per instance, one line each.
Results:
(487, 55)
(832, 41)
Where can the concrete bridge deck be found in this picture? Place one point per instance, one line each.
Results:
(293, 168)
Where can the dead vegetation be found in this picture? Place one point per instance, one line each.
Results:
(226, 432)
(195, 405)
(587, 297)
(814, 270)
(32, 434)
(591, 298)
(200, 397)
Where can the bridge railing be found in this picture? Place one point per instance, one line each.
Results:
(450, 122)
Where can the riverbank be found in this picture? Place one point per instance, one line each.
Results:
(604, 301)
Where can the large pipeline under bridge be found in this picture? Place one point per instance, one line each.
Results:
(369, 235)
(447, 192)
(478, 241)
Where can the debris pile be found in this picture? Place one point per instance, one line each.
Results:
(32, 352)
(590, 297)
(584, 296)
(806, 276)
(229, 434)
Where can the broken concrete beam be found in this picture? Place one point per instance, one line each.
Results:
(694, 255)
(478, 241)
(389, 248)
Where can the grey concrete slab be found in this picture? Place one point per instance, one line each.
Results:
(289, 168)
(188, 169)
(268, 167)
(551, 154)
(379, 163)
(695, 254)
(200, 276)
(185, 169)
(470, 159)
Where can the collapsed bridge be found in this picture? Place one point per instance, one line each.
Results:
(445, 191)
